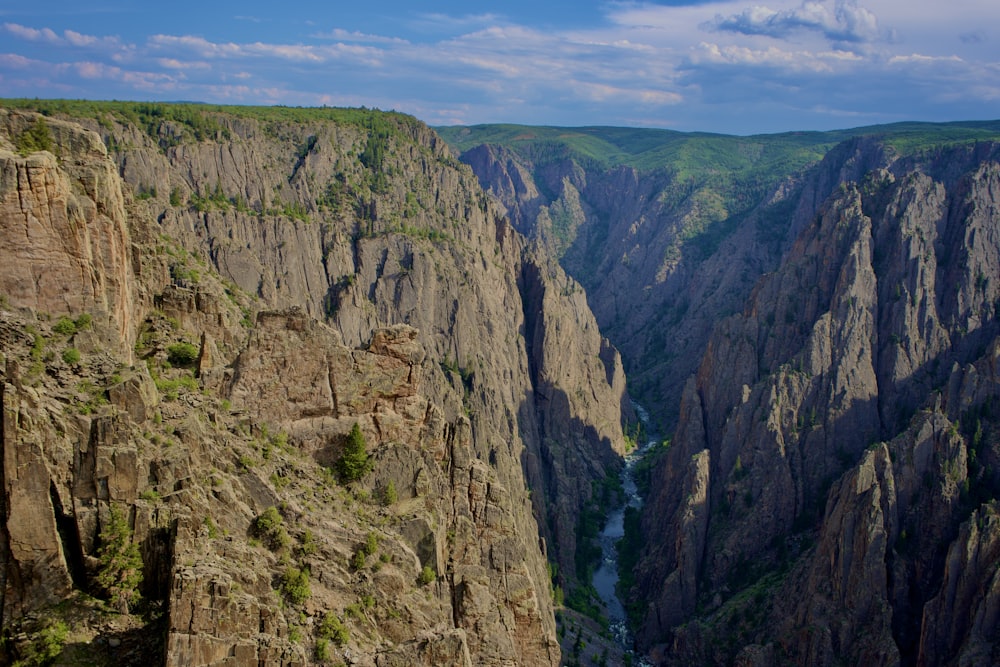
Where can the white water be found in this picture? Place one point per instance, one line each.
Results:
(606, 576)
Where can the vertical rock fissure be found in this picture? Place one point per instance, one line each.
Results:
(69, 535)
(4, 535)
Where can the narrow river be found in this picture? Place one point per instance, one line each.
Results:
(606, 576)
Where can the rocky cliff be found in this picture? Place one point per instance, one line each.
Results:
(830, 492)
(663, 252)
(195, 318)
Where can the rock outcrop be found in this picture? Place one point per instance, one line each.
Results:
(65, 234)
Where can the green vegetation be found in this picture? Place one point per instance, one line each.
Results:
(332, 629)
(354, 463)
(389, 495)
(426, 576)
(35, 138)
(120, 572)
(67, 326)
(64, 326)
(170, 124)
(45, 646)
(719, 178)
(71, 355)
(360, 557)
(307, 544)
(170, 387)
(294, 585)
(694, 153)
(182, 354)
(269, 527)
(629, 547)
(209, 201)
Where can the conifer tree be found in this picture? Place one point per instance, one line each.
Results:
(354, 463)
(120, 573)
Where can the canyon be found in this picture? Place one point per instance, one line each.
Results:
(205, 310)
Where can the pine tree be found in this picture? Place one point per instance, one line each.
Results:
(354, 463)
(121, 563)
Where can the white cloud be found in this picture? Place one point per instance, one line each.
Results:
(919, 59)
(31, 34)
(70, 37)
(342, 35)
(16, 61)
(174, 63)
(839, 21)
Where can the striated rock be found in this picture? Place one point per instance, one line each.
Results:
(841, 348)
(962, 620)
(63, 227)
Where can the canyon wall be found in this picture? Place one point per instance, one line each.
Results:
(215, 301)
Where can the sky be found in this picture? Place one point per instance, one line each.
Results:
(734, 66)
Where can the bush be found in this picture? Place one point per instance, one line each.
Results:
(71, 355)
(371, 544)
(332, 629)
(322, 652)
(427, 575)
(65, 326)
(36, 138)
(182, 354)
(270, 528)
(390, 496)
(45, 646)
(354, 463)
(295, 585)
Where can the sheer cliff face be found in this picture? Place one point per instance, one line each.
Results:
(632, 239)
(66, 227)
(328, 272)
(834, 467)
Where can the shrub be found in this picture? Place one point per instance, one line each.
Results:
(120, 572)
(307, 543)
(322, 652)
(71, 355)
(332, 629)
(45, 646)
(182, 354)
(65, 326)
(36, 138)
(270, 528)
(295, 585)
(427, 575)
(390, 496)
(371, 544)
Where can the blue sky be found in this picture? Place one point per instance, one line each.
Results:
(734, 66)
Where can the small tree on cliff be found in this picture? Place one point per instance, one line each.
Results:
(354, 463)
(121, 563)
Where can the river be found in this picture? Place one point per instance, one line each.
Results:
(606, 576)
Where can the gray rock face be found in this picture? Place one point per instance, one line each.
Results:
(826, 392)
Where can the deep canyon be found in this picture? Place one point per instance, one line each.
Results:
(328, 386)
